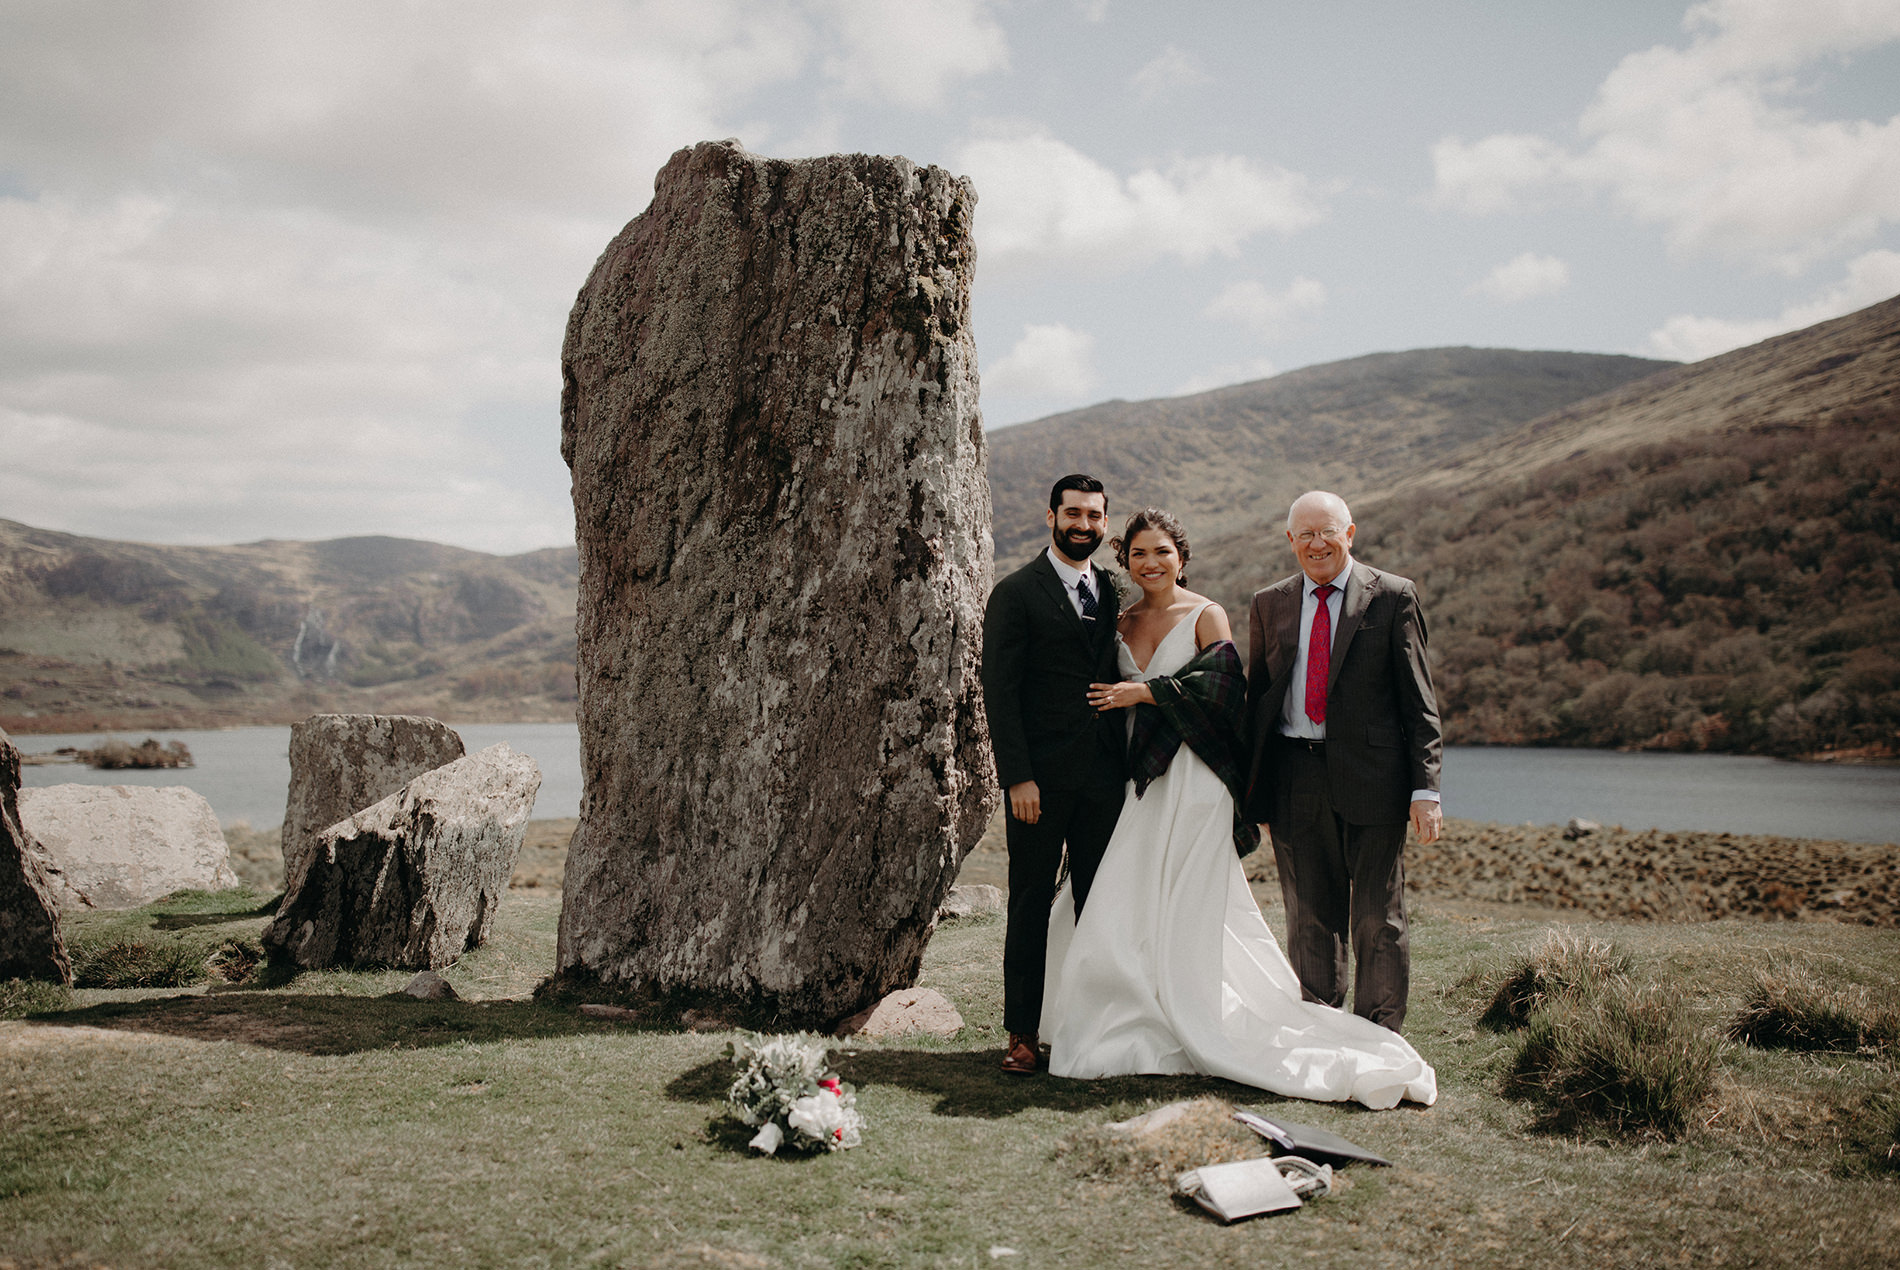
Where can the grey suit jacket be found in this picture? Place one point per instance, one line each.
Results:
(1382, 733)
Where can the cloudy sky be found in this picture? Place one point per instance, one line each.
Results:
(301, 270)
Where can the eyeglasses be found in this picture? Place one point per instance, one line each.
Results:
(1330, 534)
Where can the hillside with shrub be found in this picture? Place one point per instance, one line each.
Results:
(1231, 457)
(1704, 560)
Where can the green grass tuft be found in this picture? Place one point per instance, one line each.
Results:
(21, 997)
(1563, 965)
(1626, 1058)
(1883, 1144)
(1790, 1006)
(130, 963)
(1205, 1133)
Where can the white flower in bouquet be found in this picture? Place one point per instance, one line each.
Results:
(785, 1090)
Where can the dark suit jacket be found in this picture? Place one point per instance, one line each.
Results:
(1382, 733)
(1039, 658)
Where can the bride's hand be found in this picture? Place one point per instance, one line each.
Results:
(1119, 696)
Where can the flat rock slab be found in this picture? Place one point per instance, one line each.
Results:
(414, 881)
(342, 763)
(123, 846)
(904, 1013)
(31, 943)
(971, 901)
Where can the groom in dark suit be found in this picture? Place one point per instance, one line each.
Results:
(1048, 633)
(1345, 757)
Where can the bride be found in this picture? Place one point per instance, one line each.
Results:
(1170, 967)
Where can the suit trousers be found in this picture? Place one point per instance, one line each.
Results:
(1085, 820)
(1344, 887)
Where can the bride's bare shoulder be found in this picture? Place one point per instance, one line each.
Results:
(1212, 626)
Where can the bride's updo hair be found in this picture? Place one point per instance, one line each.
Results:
(1151, 518)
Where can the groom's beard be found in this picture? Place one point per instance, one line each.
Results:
(1078, 544)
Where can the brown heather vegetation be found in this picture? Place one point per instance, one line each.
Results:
(1658, 875)
(1739, 595)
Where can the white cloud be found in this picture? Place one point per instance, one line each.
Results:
(909, 53)
(1523, 277)
(1044, 202)
(1048, 362)
(1710, 142)
(1871, 278)
(300, 271)
(1266, 313)
(1169, 70)
(1226, 375)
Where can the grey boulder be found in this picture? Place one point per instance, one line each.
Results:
(970, 901)
(414, 881)
(342, 763)
(905, 1012)
(31, 946)
(122, 846)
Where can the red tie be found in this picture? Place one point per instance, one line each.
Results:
(1319, 654)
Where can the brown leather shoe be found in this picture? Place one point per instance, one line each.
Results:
(1020, 1059)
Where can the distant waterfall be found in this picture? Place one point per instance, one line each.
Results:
(314, 653)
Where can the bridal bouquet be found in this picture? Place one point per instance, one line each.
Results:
(786, 1089)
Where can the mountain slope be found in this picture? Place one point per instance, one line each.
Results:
(109, 631)
(1705, 559)
(1238, 455)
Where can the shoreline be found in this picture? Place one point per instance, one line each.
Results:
(211, 721)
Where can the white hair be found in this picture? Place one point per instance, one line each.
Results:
(1334, 503)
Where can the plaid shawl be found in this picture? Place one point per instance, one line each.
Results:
(1204, 705)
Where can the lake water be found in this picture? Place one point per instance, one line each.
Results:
(244, 773)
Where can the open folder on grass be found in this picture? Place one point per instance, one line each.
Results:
(1244, 1188)
(1299, 1139)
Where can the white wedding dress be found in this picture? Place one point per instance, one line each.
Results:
(1171, 968)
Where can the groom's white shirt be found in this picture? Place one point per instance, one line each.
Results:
(1293, 720)
(1070, 576)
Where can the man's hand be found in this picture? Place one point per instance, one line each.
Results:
(1427, 818)
(1025, 802)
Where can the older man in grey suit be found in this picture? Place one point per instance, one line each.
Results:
(1345, 757)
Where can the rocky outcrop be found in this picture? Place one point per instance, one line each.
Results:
(31, 946)
(770, 412)
(413, 881)
(122, 846)
(342, 763)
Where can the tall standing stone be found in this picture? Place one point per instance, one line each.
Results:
(770, 411)
(342, 763)
(31, 946)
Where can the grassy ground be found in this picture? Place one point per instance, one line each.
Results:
(328, 1122)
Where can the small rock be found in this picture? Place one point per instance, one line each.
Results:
(617, 1013)
(969, 901)
(1151, 1121)
(1580, 829)
(123, 846)
(904, 1012)
(430, 986)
